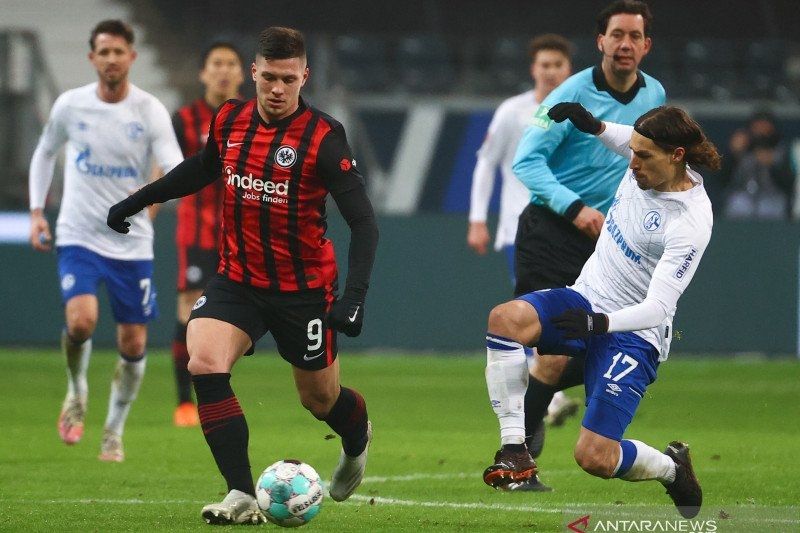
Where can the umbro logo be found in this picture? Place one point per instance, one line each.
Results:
(613, 389)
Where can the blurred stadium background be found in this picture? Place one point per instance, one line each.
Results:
(415, 83)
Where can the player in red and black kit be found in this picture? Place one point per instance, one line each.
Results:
(199, 215)
(278, 158)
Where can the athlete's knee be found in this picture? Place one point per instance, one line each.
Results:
(594, 460)
(132, 342)
(503, 320)
(81, 328)
(511, 320)
(205, 363)
(318, 402)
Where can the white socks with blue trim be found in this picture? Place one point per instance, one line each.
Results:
(124, 388)
(507, 382)
(77, 356)
(640, 462)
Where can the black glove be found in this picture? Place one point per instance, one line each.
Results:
(578, 115)
(122, 210)
(580, 324)
(347, 316)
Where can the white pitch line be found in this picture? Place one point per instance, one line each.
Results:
(573, 507)
(85, 501)
(453, 505)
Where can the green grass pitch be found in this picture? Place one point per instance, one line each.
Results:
(434, 435)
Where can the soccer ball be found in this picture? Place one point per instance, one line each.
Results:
(289, 493)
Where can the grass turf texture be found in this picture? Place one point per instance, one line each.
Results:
(434, 435)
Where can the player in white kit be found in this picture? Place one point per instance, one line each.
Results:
(551, 64)
(618, 314)
(113, 132)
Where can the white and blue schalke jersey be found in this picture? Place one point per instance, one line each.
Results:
(560, 164)
(498, 148)
(110, 151)
(649, 249)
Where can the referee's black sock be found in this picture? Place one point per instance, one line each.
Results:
(537, 398)
(225, 429)
(348, 418)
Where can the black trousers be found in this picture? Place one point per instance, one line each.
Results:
(550, 250)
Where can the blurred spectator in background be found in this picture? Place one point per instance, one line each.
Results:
(759, 178)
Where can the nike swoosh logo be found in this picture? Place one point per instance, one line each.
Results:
(231, 145)
(307, 358)
(355, 314)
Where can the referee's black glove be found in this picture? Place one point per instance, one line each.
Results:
(122, 210)
(347, 316)
(580, 324)
(578, 115)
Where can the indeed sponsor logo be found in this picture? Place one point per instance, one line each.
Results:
(686, 264)
(85, 166)
(251, 185)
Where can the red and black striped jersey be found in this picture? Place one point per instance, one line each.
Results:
(276, 177)
(199, 215)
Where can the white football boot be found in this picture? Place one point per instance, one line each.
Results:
(237, 508)
(349, 472)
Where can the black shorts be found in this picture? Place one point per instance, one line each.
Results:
(196, 267)
(549, 250)
(295, 319)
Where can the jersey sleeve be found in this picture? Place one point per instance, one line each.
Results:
(685, 244)
(337, 168)
(180, 134)
(43, 162)
(490, 155)
(537, 146)
(335, 163)
(617, 138)
(163, 142)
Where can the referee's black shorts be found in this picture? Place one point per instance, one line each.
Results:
(549, 250)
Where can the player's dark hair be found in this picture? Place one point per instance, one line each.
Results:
(277, 42)
(112, 27)
(631, 7)
(549, 41)
(216, 45)
(670, 127)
